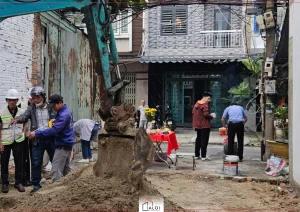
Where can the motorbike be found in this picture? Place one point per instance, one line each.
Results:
(158, 119)
(169, 119)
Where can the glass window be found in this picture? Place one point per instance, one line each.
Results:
(121, 23)
(222, 18)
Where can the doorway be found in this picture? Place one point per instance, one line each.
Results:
(182, 94)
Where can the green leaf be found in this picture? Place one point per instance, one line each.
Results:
(253, 66)
(242, 94)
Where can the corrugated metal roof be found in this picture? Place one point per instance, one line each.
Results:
(194, 60)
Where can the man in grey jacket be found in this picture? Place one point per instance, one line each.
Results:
(87, 130)
(39, 115)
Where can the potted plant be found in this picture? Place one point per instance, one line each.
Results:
(280, 114)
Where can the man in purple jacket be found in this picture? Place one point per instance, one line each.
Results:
(63, 137)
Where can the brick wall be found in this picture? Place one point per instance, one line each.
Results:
(16, 35)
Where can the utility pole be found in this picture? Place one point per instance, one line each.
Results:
(270, 51)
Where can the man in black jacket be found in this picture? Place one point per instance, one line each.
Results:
(39, 115)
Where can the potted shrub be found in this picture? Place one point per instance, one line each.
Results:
(281, 122)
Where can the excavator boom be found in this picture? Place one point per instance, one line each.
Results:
(118, 116)
(98, 20)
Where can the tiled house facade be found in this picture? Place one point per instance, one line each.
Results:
(191, 49)
(197, 38)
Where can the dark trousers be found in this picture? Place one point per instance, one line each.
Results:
(238, 129)
(27, 158)
(17, 149)
(38, 151)
(202, 142)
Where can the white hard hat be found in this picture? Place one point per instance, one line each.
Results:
(12, 94)
(29, 93)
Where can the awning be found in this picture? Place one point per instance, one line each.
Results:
(191, 60)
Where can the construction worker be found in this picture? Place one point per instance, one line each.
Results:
(63, 137)
(11, 138)
(39, 115)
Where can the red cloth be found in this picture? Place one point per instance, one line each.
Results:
(170, 138)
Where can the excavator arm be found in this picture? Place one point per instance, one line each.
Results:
(124, 152)
(118, 116)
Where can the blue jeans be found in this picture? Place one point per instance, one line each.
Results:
(38, 151)
(86, 149)
(95, 132)
(85, 145)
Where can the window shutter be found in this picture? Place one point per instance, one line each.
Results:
(167, 21)
(181, 21)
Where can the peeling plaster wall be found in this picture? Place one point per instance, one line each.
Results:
(16, 35)
(64, 65)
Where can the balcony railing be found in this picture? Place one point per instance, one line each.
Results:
(221, 39)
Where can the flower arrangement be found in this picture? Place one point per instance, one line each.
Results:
(150, 114)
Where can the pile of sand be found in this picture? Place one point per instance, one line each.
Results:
(82, 190)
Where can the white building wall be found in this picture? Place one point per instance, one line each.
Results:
(257, 43)
(294, 95)
(16, 35)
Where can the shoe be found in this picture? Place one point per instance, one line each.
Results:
(91, 160)
(20, 188)
(35, 189)
(27, 183)
(84, 161)
(5, 188)
(206, 159)
(198, 158)
(240, 160)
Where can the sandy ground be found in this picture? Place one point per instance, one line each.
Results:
(81, 191)
(183, 190)
(195, 193)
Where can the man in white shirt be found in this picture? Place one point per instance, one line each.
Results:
(143, 118)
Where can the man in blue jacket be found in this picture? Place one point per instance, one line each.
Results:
(63, 137)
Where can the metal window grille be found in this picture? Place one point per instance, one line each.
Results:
(130, 89)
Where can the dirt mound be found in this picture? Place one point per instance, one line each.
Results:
(7, 202)
(82, 190)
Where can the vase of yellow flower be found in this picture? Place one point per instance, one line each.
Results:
(150, 114)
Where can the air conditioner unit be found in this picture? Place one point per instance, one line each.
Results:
(269, 19)
(260, 22)
(268, 68)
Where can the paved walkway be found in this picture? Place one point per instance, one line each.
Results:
(251, 167)
(189, 136)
